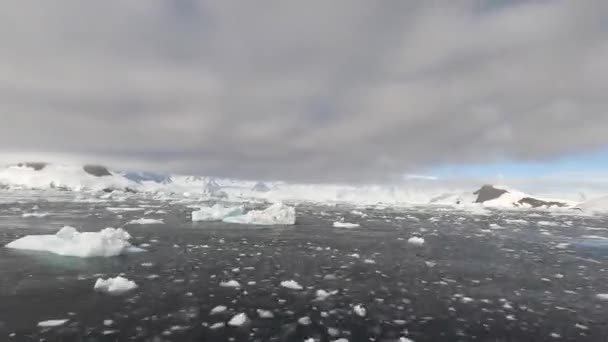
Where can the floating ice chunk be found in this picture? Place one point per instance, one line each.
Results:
(230, 283)
(238, 320)
(416, 241)
(218, 310)
(216, 213)
(360, 310)
(405, 339)
(291, 284)
(495, 226)
(114, 286)
(147, 221)
(602, 296)
(342, 224)
(265, 313)
(69, 242)
(277, 213)
(52, 323)
(341, 340)
(35, 214)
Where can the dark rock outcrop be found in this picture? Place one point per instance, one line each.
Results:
(96, 170)
(34, 165)
(488, 193)
(536, 203)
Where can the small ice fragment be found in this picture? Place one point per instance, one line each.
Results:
(291, 284)
(114, 286)
(238, 320)
(360, 310)
(217, 325)
(265, 313)
(342, 224)
(602, 296)
(230, 283)
(416, 241)
(305, 321)
(218, 310)
(52, 323)
(144, 221)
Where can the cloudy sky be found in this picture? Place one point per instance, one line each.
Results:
(310, 90)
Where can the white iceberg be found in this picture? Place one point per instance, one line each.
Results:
(277, 213)
(70, 242)
(147, 221)
(342, 224)
(114, 286)
(216, 213)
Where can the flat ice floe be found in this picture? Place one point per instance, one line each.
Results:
(342, 224)
(70, 242)
(147, 221)
(114, 286)
(277, 213)
(216, 213)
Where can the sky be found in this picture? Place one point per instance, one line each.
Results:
(323, 91)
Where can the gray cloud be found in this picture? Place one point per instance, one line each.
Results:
(315, 90)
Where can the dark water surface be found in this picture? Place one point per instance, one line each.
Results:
(520, 281)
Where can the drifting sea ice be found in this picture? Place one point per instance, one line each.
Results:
(277, 213)
(216, 213)
(70, 242)
(114, 286)
(238, 320)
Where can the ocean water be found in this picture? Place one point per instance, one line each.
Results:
(505, 276)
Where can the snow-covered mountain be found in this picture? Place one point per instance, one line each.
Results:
(65, 177)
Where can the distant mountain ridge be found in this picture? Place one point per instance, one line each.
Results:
(41, 175)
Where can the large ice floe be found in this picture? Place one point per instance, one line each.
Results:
(277, 213)
(216, 213)
(114, 286)
(70, 242)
